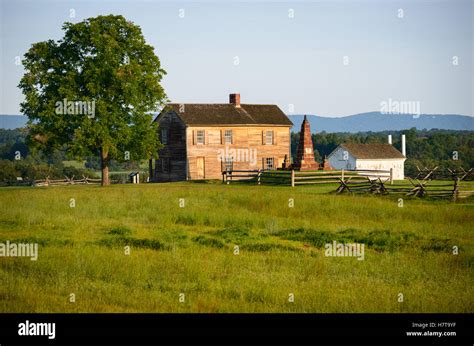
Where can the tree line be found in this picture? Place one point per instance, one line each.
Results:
(18, 159)
(425, 148)
(442, 148)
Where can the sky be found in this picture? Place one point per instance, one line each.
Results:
(330, 58)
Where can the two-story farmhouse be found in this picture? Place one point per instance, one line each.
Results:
(202, 140)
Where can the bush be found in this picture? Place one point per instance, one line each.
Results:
(29, 170)
(8, 171)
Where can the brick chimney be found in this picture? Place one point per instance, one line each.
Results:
(234, 99)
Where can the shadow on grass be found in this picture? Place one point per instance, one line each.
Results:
(379, 240)
(121, 236)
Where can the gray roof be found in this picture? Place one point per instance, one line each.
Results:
(228, 114)
(372, 151)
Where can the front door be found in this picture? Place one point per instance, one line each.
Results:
(200, 168)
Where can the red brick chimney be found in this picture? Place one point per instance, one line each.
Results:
(305, 155)
(234, 99)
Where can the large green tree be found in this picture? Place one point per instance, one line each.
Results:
(93, 91)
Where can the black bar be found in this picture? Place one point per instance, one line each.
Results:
(268, 329)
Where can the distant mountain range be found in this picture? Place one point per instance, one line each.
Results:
(364, 122)
(12, 121)
(375, 122)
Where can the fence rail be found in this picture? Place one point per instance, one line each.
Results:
(436, 173)
(293, 178)
(66, 181)
(229, 175)
(424, 188)
(328, 177)
(55, 182)
(358, 181)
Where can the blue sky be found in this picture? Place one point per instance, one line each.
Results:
(287, 61)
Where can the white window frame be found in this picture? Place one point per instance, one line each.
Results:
(269, 163)
(198, 134)
(228, 137)
(269, 137)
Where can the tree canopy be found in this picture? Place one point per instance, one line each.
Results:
(442, 148)
(93, 91)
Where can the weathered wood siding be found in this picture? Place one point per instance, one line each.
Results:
(248, 148)
(173, 154)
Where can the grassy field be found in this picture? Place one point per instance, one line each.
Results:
(74, 163)
(190, 249)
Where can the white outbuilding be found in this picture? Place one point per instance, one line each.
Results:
(368, 156)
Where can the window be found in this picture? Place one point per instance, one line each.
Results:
(228, 137)
(269, 164)
(164, 136)
(200, 137)
(269, 137)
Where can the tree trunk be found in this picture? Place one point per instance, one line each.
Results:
(104, 164)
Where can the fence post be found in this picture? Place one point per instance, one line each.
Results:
(456, 189)
(391, 175)
(292, 178)
(342, 174)
(258, 176)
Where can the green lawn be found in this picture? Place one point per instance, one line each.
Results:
(191, 250)
(74, 163)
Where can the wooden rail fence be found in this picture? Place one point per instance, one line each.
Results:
(440, 174)
(250, 175)
(293, 178)
(52, 182)
(452, 190)
(328, 177)
(66, 181)
(360, 181)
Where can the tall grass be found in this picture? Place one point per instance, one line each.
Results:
(191, 250)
